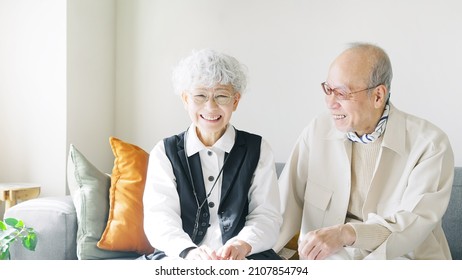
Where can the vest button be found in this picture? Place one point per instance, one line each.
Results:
(204, 224)
(211, 178)
(205, 215)
(211, 204)
(200, 232)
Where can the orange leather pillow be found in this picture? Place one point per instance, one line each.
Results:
(124, 230)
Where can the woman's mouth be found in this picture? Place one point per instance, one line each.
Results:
(211, 118)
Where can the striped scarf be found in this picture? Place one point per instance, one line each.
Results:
(379, 130)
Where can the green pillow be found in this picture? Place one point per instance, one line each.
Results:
(89, 190)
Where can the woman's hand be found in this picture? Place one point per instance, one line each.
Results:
(236, 250)
(202, 253)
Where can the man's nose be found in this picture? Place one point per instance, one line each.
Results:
(332, 102)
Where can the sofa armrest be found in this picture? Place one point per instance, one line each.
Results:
(452, 219)
(55, 221)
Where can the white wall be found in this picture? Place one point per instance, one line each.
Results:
(57, 79)
(33, 93)
(287, 46)
(91, 79)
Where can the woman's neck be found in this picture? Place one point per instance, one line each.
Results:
(209, 139)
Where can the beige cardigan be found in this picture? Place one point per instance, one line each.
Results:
(409, 192)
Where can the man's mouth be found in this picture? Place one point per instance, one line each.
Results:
(338, 117)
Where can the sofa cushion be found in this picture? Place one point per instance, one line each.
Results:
(89, 189)
(124, 230)
(55, 222)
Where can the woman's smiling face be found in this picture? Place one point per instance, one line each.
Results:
(210, 117)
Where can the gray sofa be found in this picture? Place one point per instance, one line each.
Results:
(55, 220)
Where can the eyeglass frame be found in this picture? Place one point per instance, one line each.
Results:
(342, 96)
(215, 96)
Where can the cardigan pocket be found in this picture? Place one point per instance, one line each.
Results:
(318, 199)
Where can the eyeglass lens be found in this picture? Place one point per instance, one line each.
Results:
(221, 97)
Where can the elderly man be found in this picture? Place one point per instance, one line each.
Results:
(366, 181)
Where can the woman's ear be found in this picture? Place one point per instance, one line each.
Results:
(237, 98)
(185, 99)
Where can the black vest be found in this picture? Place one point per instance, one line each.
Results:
(237, 176)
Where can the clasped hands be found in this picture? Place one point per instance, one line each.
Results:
(236, 250)
(322, 243)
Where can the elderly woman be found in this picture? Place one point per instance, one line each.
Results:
(211, 191)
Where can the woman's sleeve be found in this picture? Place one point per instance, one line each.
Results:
(162, 214)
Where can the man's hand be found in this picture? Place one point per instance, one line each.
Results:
(321, 243)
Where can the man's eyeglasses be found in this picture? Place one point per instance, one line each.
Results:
(220, 96)
(340, 94)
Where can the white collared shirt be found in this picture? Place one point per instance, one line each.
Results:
(162, 221)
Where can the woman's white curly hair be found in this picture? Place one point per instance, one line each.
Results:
(208, 68)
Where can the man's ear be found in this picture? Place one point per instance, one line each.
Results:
(380, 96)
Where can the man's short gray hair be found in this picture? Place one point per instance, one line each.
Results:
(381, 72)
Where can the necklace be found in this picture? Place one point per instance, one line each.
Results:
(198, 203)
